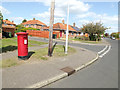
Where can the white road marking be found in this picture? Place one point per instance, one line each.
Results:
(105, 52)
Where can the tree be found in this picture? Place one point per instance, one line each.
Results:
(1, 21)
(94, 30)
(24, 21)
(116, 35)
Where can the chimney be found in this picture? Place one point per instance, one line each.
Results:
(73, 24)
(63, 22)
(12, 21)
(33, 18)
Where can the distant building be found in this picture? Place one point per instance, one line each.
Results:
(62, 28)
(78, 30)
(8, 26)
(34, 24)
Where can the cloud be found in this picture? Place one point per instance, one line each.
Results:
(17, 20)
(49, 0)
(42, 15)
(4, 11)
(103, 17)
(107, 20)
(113, 29)
(76, 7)
(110, 19)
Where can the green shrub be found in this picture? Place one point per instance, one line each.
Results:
(117, 35)
(82, 38)
(29, 28)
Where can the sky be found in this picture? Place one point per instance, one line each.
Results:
(80, 12)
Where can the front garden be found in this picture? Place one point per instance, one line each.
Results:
(10, 44)
(93, 32)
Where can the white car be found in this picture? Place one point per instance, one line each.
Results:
(113, 38)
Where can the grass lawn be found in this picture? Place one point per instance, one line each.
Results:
(13, 42)
(10, 44)
(58, 52)
(40, 54)
(8, 63)
(84, 41)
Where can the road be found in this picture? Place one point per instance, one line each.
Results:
(101, 74)
(90, 47)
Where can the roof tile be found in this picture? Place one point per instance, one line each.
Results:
(8, 22)
(34, 22)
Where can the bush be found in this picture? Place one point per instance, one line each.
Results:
(116, 35)
(83, 38)
(24, 29)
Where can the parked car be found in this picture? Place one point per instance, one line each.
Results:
(113, 38)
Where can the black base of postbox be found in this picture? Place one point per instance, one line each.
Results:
(23, 57)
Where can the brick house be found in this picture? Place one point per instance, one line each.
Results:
(62, 27)
(9, 26)
(78, 30)
(34, 24)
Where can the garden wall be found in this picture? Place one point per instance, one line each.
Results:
(43, 34)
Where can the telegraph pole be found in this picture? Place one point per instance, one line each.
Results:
(51, 28)
(66, 46)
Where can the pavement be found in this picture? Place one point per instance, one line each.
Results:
(40, 73)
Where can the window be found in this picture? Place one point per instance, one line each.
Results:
(29, 25)
(5, 24)
(11, 25)
(34, 25)
(72, 33)
(64, 32)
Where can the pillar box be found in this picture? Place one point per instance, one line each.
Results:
(22, 39)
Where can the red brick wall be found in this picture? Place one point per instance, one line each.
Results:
(43, 34)
(12, 30)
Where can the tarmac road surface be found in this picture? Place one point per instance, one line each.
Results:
(101, 74)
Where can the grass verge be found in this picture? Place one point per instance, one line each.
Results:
(8, 63)
(40, 54)
(58, 52)
(10, 44)
(85, 41)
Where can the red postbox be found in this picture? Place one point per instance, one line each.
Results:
(22, 39)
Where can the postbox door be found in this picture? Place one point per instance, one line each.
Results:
(25, 42)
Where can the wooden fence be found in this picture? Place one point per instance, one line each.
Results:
(43, 34)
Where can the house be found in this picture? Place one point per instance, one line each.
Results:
(34, 24)
(78, 30)
(62, 27)
(8, 27)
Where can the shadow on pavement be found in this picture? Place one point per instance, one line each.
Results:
(30, 54)
(8, 48)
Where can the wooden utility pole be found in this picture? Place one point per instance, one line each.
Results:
(51, 28)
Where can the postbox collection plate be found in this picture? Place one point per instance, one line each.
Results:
(25, 41)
